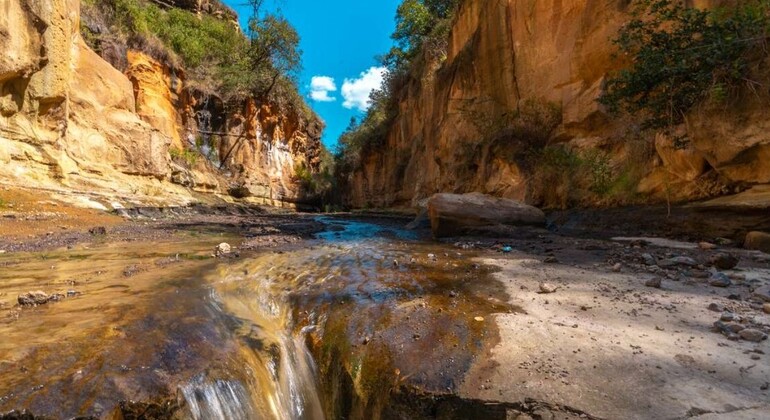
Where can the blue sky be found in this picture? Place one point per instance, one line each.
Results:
(340, 39)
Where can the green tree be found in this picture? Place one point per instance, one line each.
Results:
(682, 55)
(417, 21)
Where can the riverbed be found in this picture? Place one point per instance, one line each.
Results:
(313, 317)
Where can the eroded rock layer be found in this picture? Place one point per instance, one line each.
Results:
(71, 121)
(453, 131)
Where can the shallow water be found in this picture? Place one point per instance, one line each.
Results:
(274, 334)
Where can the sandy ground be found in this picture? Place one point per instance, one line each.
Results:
(606, 344)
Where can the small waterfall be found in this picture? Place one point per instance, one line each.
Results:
(277, 379)
(295, 395)
(218, 400)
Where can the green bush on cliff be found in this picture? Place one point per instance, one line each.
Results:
(217, 56)
(681, 56)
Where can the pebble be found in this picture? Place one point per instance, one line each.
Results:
(724, 261)
(655, 282)
(752, 334)
(763, 293)
(548, 288)
(707, 246)
(33, 298)
(715, 307)
(98, 231)
(479, 319)
(727, 317)
(550, 260)
(649, 259)
(672, 262)
(222, 249)
(617, 267)
(720, 280)
(766, 308)
(729, 327)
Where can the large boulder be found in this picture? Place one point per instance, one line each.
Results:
(455, 214)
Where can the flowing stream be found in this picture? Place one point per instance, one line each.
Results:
(309, 331)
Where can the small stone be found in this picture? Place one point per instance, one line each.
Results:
(655, 282)
(617, 267)
(548, 288)
(98, 231)
(550, 260)
(395, 263)
(720, 280)
(723, 241)
(727, 317)
(678, 261)
(715, 307)
(752, 334)
(416, 336)
(432, 257)
(452, 294)
(706, 246)
(366, 340)
(56, 297)
(33, 298)
(762, 293)
(649, 259)
(724, 261)
(222, 249)
(71, 293)
(758, 241)
(766, 308)
(728, 327)
(755, 357)
(479, 319)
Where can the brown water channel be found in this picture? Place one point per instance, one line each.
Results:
(328, 328)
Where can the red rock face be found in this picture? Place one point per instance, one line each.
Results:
(505, 53)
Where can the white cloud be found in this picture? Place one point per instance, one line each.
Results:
(356, 91)
(320, 86)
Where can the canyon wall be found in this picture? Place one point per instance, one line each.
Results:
(70, 121)
(529, 58)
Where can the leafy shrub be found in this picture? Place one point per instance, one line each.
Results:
(184, 156)
(681, 56)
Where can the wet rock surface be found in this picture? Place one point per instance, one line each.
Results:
(602, 344)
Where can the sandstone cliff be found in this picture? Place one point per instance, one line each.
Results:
(70, 121)
(524, 57)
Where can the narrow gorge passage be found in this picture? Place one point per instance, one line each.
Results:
(388, 210)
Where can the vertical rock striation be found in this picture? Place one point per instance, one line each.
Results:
(510, 57)
(69, 120)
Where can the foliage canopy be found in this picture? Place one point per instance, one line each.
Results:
(681, 56)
